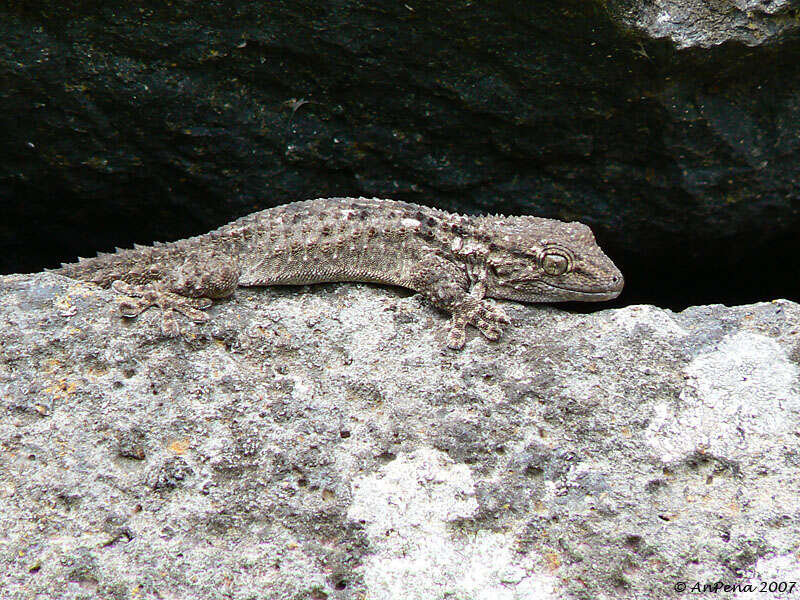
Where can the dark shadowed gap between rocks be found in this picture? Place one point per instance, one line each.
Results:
(677, 278)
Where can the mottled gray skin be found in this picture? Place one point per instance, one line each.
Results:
(453, 260)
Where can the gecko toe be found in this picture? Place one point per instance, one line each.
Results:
(132, 307)
(189, 307)
(200, 303)
(195, 315)
(499, 315)
(457, 336)
(489, 330)
(169, 324)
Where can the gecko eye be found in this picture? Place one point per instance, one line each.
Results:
(554, 264)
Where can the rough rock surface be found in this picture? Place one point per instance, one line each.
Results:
(322, 443)
(668, 126)
(704, 23)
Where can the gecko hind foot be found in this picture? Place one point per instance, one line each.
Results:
(138, 298)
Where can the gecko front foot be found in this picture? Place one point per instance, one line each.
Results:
(138, 298)
(471, 311)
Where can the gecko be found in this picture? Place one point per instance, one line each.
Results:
(455, 261)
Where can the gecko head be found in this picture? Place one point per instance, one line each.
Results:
(542, 260)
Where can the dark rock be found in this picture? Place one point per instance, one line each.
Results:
(670, 127)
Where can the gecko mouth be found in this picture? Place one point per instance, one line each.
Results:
(552, 293)
(589, 296)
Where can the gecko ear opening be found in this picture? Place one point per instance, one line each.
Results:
(501, 269)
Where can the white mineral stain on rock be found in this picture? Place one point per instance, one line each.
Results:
(771, 578)
(742, 398)
(411, 508)
(656, 320)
